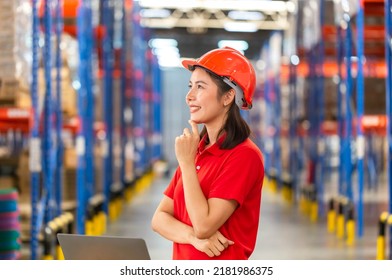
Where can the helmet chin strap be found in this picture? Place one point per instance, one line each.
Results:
(239, 94)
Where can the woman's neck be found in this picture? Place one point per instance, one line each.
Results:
(213, 135)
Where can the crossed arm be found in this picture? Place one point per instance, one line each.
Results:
(164, 223)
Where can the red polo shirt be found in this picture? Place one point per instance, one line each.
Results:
(228, 174)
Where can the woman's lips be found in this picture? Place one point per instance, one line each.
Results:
(194, 109)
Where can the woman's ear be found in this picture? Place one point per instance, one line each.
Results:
(229, 97)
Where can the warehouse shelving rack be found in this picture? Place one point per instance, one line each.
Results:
(353, 127)
(45, 149)
(354, 37)
(314, 53)
(47, 125)
(272, 123)
(296, 149)
(327, 55)
(139, 98)
(305, 131)
(345, 92)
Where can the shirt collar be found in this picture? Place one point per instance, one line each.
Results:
(214, 149)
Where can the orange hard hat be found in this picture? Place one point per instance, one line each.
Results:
(235, 70)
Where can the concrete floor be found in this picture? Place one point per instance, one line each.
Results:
(285, 232)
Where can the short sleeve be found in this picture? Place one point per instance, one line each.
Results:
(169, 191)
(242, 171)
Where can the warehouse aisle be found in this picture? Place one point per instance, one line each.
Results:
(285, 232)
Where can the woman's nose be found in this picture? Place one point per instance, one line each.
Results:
(190, 95)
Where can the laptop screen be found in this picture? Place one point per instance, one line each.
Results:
(88, 247)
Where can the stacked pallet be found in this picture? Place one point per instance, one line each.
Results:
(7, 39)
(9, 225)
(15, 73)
(15, 52)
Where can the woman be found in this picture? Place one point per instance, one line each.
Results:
(210, 210)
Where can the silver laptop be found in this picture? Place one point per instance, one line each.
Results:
(88, 247)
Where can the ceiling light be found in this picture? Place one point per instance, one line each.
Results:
(155, 13)
(294, 59)
(235, 44)
(245, 15)
(162, 43)
(264, 6)
(233, 26)
(169, 61)
(167, 52)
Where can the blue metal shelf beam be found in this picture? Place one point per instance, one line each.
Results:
(138, 97)
(108, 65)
(85, 135)
(340, 86)
(123, 86)
(80, 137)
(35, 140)
(295, 149)
(48, 154)
(59, 114)
(347, 133)
(319, 183)
(88, 125)
(360, 111)
(267, 140)
(156, 110)
(345, 115)
(127, 92)
(388, 58)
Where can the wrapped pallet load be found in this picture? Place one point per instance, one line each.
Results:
(9, 225)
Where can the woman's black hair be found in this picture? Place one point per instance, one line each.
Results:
(235, 127)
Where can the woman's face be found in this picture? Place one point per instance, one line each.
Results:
(204, 104)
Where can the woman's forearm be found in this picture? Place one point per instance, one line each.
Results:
(172, 229)
(196, 203)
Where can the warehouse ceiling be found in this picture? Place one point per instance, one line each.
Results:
(199, 25)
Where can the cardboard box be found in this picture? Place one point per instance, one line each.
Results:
(7, 182)
(70, 158)
(68, 93)
(9, 88)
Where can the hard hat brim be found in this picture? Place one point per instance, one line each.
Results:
(189, 64)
